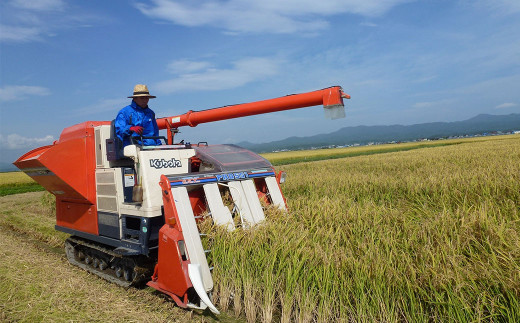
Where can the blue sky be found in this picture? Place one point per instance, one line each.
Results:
(403, 62)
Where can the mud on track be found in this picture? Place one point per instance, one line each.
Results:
(38, 284)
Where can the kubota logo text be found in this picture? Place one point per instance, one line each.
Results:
(163, 163)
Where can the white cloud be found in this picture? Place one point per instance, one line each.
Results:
(113, 105)
(244, 71)
(271, 16)
(422, 105)
(500, 6)
(38, 5)
(187, 66)
(432, 104)
(15, 141)
(20, 92)
(35, 20)
(506, 105)
(368, 24)
(18, 34)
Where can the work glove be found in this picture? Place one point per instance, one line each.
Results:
(137, 129)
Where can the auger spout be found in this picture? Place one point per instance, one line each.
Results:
(328, 97)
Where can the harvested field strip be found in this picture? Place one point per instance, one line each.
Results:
(38, 283)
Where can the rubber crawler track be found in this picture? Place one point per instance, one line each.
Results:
(97, 259)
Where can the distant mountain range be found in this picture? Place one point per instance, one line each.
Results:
(362, 135)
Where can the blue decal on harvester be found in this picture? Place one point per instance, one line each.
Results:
(231, 176)
(220, 177)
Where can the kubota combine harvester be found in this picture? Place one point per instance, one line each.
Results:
(132, 213)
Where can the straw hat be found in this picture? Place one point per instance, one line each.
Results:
(141, 90)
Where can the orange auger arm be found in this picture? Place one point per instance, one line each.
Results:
(328, 97)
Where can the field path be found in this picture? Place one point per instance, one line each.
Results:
(38, 284)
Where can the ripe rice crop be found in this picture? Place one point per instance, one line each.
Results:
(17, 182)
(291, 157)
(421, 235)
(13, 178)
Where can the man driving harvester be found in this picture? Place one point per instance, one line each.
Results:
(137, 119)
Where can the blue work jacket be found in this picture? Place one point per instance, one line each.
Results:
(134, 115)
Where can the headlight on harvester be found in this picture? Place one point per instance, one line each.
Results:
(282, 176)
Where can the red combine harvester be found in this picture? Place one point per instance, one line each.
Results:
(132, 212)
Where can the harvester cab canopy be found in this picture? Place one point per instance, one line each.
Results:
(226, 158)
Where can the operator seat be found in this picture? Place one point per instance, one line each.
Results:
(114, 145)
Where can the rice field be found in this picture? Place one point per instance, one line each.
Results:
(421, 235)
(413, 235)
(291, 157)
(14, 178)
(17, 182)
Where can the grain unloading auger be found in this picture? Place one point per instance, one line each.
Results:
(155, 239)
